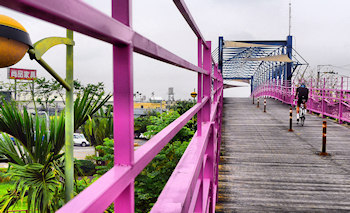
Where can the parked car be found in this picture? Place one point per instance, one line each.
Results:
(80, 140)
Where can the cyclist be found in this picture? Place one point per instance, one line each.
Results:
(302, 93)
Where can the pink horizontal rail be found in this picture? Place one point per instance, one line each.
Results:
(148, 48)
(77, 16)
(109, 186)
(331, 102)
(88, 21)
(182, 181)
(181, 5)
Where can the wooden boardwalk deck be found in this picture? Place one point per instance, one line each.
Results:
(265, 168)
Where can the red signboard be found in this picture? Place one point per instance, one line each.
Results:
(23, 74)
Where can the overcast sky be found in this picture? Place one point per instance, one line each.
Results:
(321, 30)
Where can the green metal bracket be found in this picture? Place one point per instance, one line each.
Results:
(41, 47)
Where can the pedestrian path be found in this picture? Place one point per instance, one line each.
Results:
(265, 168)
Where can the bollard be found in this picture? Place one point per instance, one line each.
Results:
(324, 138)
(257, 105)
(264, 104)
(290, 120)
(253, 99)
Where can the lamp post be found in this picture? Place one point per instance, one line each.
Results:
(14, 43)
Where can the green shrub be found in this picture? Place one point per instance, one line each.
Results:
(4, 178)
(88, 167)
(90, 157)
(151, 181)
(106, 161)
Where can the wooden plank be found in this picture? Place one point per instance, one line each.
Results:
(265, 168)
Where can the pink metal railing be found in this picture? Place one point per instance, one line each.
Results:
(193, 184)
(325, 98)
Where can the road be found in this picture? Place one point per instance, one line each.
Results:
(81, 152)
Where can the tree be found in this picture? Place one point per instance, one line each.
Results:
(20, 89)
(46, 92)
(163, 120)
(93, 88)
(182, 106)
(37, 162)
(141, 123)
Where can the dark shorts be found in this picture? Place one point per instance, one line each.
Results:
(300, 99)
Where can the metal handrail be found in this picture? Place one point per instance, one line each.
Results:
(331, 102)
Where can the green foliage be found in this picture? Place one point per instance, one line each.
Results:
(90, 157)
(151, 181)
(87, 167)
(87, 105)
(35, 155)
(100, 126)
(95, 89)
(163, 120)
(30, 131)
(182, 106)
(46, 92)
(140, 125)
(106, 160)
(41, 184)
(4, 178)
(83, 183)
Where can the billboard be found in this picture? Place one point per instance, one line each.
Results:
(23, 74)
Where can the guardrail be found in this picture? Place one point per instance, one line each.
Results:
(193, 184)
(327, 99)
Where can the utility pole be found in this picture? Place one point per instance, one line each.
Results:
(319, 71)
(290, 17)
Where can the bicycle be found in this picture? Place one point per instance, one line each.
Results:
(302, 112)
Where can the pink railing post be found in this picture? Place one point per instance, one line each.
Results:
(341, 101)
(311, 103)
(209, 153)
(199, 87)
(199, 202)
(215, 82)
(216, 156)
(207, 82)
(123, 106)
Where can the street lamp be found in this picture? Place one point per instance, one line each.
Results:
(194, 95)
(14, 43)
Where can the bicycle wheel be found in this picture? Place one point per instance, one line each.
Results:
(302, 120)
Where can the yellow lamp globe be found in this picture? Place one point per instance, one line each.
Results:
(193, 94)
(14, 41)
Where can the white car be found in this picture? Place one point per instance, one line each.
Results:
(80, 140)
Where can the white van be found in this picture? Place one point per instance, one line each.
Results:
(80, 140)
